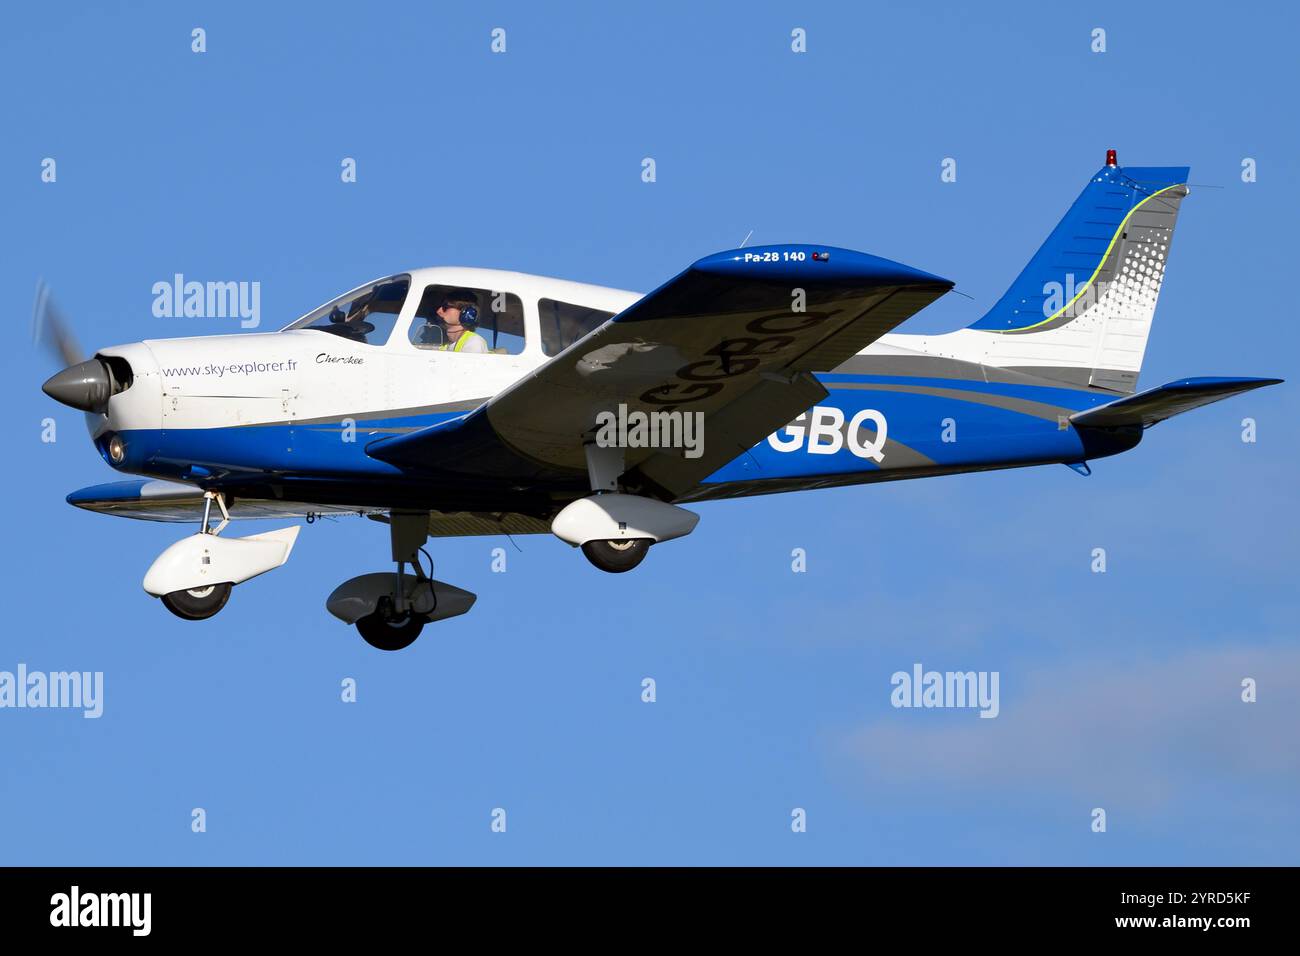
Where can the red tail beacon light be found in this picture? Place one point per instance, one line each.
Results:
(1111, 158)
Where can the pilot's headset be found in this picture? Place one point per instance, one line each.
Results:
(469, 313)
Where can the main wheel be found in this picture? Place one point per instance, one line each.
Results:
(389, 633)
(617, 555)
(197, 604)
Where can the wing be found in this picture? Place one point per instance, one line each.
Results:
(734, 338)
(177, 502)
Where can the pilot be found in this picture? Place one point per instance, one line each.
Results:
(459, 315)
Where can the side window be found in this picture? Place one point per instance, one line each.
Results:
(564, 323)
(455, 319)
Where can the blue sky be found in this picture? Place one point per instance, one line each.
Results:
(1119, 690)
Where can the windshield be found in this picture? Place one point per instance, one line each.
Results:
(367, 314)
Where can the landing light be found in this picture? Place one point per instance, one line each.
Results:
(117, 449)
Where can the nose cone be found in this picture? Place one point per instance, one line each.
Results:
(86, 386)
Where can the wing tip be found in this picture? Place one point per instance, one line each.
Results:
(1242, 382)
(801, 262)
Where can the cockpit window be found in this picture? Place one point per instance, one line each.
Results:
(456, 319)
(564, 323)
(366, 314)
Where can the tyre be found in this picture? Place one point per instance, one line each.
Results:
(617, 555)
(197, 604)
(390, 633)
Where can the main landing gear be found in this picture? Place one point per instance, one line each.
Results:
(199, 604)
(193, 578)
(615, 530)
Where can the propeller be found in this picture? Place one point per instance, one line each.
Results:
(51, 330)
(86, 384)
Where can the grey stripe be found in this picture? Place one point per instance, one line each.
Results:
(769, 486)
(395, 430)
(1078, 377)
(374, 416)
(935, 366)
(1024, 406)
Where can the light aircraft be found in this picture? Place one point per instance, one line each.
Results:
(596, 414)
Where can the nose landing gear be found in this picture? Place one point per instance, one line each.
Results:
(391, 609)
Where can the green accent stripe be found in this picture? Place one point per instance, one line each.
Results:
(1082, 289)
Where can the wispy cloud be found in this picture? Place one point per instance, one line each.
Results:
(1133, 730)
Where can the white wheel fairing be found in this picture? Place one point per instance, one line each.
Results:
(620, 517)
(201, 560)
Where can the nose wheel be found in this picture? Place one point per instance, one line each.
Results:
(390, 630)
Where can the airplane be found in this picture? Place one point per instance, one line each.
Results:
(454, 401)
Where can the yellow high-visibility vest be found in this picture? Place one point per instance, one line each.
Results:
(460, 342)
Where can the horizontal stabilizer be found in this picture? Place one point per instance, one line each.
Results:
(1147, 408)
